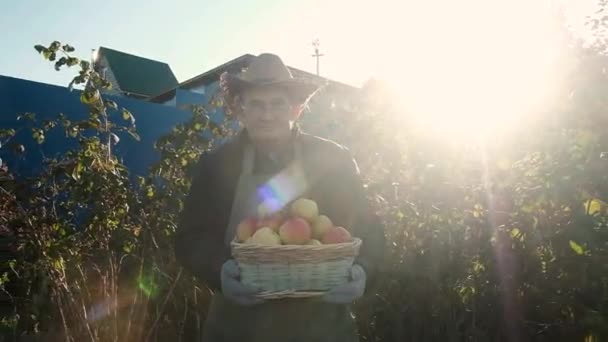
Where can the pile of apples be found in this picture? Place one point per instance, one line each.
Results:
(299, 224)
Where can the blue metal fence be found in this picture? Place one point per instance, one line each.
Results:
(18, 96)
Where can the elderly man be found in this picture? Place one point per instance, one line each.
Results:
(268, 100)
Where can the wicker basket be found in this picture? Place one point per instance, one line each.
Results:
(295, 270)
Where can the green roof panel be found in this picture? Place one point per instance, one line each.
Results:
(138, 75)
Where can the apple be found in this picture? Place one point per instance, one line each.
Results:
(305, 208)
(266, 236)
(274, 221)
(321, 226)
(246, 228)
(295, 231)
(314, 242)
(336, 235)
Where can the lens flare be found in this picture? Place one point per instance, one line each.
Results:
(283, 188)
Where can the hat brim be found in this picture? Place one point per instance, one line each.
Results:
(300, 88)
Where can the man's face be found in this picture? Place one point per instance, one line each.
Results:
(267, 113)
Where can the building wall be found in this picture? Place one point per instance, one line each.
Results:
(18, 96)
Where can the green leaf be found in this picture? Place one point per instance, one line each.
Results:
(7, 132)
(19, 148)
(61, 62)
(73, 131)
(85, 65)
(111, 104)
(26, 116)
(58, 264)
(77, 171)
(126, 115)
(38, 135)
(55, 46)
(68, 48)
(52, 56)
(39, 48)
(127, 248)
(4, 278)
(72, 61)
(515, 233)
(107, 85)
(578, 249)
(134, 135)
(593, 206)
(49, 124)
(150, 192)
(47, 54)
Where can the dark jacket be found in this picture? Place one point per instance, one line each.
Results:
(335, 185)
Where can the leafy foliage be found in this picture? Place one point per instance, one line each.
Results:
(94, 251)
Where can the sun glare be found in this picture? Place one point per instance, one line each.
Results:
(478, 69)
(462, 69)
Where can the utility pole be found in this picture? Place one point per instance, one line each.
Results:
(317, 55)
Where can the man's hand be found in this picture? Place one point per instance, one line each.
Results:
(233, 289)
(349, 292)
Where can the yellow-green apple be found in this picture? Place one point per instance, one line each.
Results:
(321, 226)
(266, 236)
(295, 231)
(305, 208)
(314, 242)
(246, 229)
(273, 221)
(336, 235)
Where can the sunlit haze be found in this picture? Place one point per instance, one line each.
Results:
(459, 66)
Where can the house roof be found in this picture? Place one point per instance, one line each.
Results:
(139, 75)
(234, 66)
(212, 75)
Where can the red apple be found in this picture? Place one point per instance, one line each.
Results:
(274, 222)
(336, 235)
(295, 231)
(246, 229)
(306, 209)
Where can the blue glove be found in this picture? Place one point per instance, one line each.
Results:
(349, 292)
(233, 289)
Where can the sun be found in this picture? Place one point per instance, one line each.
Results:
(475, 68)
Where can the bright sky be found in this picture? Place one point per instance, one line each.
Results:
(360, 38)
(462, 66)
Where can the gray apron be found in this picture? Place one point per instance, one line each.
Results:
(288, 320)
